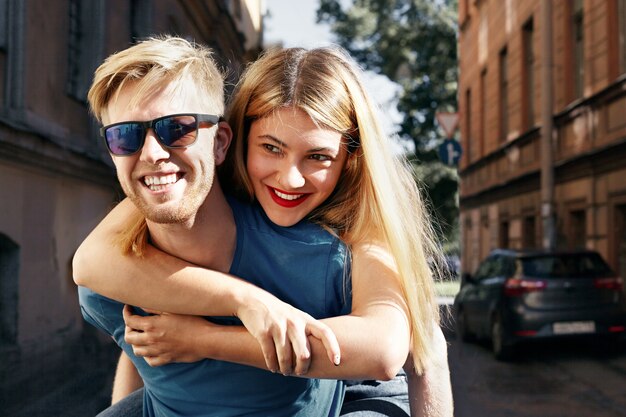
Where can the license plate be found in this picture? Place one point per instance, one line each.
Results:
(574, 327)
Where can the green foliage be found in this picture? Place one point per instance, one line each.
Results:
(414, 43)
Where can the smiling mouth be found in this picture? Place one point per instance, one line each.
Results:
(160, 182)
(285, 199)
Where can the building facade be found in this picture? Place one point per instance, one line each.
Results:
(503, 103)
(56, 178)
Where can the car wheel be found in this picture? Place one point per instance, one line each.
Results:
(462, 332)
(501, 350)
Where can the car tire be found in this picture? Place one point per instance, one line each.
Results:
(502, 350)
(462, 332)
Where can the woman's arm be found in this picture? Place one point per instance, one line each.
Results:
(374, 338)
(150, 281)
(430, 394)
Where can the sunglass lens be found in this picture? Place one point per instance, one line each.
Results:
(177, 131)
(125, 139)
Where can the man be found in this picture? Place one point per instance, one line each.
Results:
(164, 97)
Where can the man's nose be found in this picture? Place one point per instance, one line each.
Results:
(291, 177)
(152, 150)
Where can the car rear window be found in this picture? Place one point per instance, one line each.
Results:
(583, 265)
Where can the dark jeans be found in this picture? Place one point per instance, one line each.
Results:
(363, 399)
(377, 398)
(131, 406)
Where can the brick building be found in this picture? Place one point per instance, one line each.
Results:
(56, 178)
(502, 99)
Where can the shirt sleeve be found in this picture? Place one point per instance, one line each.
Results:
(101, 312)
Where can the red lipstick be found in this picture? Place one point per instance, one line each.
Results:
(284, 202)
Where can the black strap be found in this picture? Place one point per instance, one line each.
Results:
(386, 408)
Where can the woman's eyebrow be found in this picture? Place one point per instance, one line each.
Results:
(279, 142)
(273, 139)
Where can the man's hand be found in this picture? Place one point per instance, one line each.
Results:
(283, 331)
(164, 338)
(283, 336)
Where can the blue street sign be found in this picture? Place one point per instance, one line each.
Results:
(450, 152)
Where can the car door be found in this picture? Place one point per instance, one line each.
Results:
(472, 294)
(489, 291)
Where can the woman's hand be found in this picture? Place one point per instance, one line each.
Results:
(165, 338)
(282, 332)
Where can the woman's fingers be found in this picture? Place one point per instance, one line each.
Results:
(301, 349)
(269, 353)
(324, 333)
(284, 352)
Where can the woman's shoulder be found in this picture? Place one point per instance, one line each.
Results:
(372, 249)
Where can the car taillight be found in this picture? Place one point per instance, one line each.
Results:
(514, 287)
(615, 283)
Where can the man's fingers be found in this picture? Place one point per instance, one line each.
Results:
(328, 338)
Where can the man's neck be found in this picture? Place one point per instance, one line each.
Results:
(208, 239)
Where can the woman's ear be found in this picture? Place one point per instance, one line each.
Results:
(223, 139)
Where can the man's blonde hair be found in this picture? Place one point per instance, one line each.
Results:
(376, 198)
(150, 66)
(154, 63)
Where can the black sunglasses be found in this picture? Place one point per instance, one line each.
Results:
(172, 131)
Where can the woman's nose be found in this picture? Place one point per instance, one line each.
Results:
(291, 177)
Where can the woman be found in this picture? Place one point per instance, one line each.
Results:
(284, 104)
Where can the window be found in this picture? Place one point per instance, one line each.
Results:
(140, 19)
(620, 239)
(468, 125)
(621, 19)
(529, 237)
(528, 79)
(578, 48)
(483, 110)
(85, 29)
(577, 229)
(9, 271)
(4, 24)
(504, 98)
(504, 235)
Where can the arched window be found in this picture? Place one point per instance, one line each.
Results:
(9, 273)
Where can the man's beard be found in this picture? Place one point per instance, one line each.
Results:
(181, 211)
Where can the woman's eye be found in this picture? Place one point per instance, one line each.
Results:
(271, 148)
(320, 157)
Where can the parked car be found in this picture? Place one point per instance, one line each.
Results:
(517, 296)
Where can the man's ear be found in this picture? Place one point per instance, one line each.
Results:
(223, 139)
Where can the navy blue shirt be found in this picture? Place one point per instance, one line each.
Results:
(303, 265)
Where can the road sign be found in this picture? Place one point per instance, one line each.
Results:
(450, 152)
(448, 122)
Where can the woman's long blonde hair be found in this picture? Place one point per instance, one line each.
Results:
(376, 198)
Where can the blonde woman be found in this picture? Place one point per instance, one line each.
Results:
(308, 146)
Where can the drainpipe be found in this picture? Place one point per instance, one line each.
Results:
(547, 159)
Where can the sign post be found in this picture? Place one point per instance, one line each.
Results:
(450, 150)
(448, 122)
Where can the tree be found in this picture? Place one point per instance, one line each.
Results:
(412, 42)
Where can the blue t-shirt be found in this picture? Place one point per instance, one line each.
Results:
(304, 266)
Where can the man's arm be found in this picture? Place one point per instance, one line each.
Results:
(127, 379)
(430, 394)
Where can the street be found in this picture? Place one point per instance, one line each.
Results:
(570, 378)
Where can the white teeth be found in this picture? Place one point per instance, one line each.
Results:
(288, 196)
(153, 182)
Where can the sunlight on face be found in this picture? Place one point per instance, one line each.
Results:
(293, 164)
